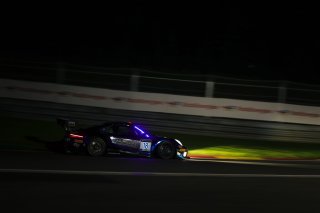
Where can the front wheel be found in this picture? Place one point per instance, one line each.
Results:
(166, 150)
(96, 147)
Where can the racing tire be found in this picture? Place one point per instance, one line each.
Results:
(166, 150)
(96, 147)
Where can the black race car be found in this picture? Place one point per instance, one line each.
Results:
(121, 137)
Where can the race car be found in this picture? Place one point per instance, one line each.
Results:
(120, 137)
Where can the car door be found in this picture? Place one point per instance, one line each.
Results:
(144, 139)
(125, 139)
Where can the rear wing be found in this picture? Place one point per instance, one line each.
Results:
(67, 124)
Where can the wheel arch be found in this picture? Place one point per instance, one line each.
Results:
(154, 147)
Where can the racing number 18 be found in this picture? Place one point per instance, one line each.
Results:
(145, 146)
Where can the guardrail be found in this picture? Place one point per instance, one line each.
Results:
(184, 124)
(162, 82)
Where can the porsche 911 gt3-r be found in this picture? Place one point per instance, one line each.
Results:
(121, 137)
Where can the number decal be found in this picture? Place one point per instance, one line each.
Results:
(145, 146)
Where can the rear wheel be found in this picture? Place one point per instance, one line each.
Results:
(96, 147)
(166, 150)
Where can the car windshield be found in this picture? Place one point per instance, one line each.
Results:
(142, 131)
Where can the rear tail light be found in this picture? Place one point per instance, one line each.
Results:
(76, 136)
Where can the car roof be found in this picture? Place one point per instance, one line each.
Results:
(118, 123)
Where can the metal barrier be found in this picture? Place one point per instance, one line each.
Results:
(162, 82)
(184, 124)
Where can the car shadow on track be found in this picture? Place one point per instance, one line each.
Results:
(57, 147)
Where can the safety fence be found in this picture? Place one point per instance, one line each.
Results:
(129, 79)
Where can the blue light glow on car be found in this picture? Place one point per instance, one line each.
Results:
(139, 129)
(142, 132)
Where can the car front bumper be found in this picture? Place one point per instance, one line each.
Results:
(182, 152)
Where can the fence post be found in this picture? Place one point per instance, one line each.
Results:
(209, 89)
(282, 92)
(60, 76)
(134, 81)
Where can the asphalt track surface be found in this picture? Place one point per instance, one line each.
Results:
(55, 182)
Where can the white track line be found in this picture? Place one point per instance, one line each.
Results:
(167, 174)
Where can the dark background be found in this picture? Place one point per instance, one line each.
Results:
(253, 41)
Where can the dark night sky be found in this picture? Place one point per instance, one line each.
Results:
(274, 42)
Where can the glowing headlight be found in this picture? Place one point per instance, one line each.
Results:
(184, 154)
(178, 142)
